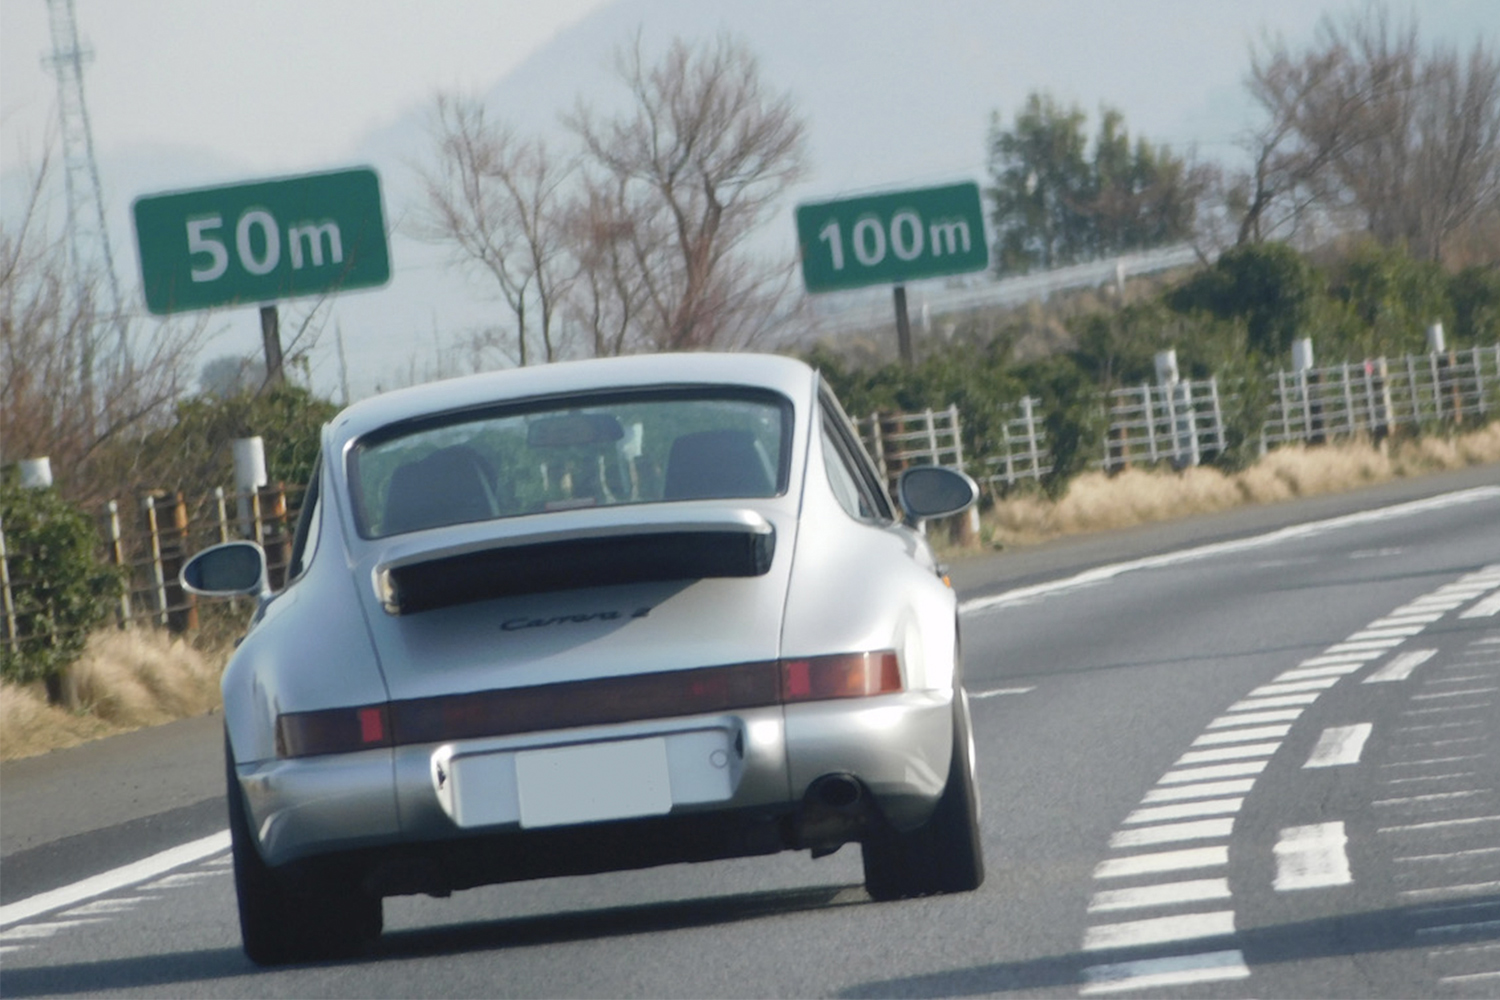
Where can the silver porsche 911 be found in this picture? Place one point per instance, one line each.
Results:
(588, 617)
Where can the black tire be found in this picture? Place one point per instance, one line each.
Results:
(944, 855)
(280, 923)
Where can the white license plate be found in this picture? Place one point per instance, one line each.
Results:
(592, 782)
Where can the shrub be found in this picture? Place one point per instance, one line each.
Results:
(59, 589)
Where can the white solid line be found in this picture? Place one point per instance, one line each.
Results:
(1158, 930)
(1241, 735)
(1212, 772)
(1478, 925)
(1165, 894)
(1400, 668)
(1280, 701)
(1311, 857)
(1185, 810)
(1177, 970)
(1449, 856)
(1236, 752)
(118, 878)
(1204, 790)
(120, 904)
(997, 692)
(1256, 718)
(1203, 829)
(1468, 977)
(1433, 760)
(1340, 745)
(1294, 532)
(1163, 861)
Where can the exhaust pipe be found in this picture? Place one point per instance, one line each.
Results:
(836, 791)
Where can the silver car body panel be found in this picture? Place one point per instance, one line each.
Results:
(835, 584)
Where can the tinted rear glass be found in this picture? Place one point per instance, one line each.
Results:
(563, 455)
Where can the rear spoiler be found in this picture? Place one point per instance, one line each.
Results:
(586, 551)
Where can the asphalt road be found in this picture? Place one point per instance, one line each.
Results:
(1254, 754)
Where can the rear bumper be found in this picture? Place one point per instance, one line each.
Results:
(730, 785)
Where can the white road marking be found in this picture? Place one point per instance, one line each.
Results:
(997, 692)
(1340, 746)
(1352, 646)
(1434, 797)
(1212, 772)
(1487, 608)
(1438, 824)
(181, 879)
(1454, 694)
(1449, 891)
(1311, 857)
(1177, 970)
(1235, 752)
(1363, 656)
(1280, 701)
(1185, 810)
(1303, 673)
(29, 932)
(120, 904)
(1255, 718)
(1471, 977)
(1163, 861)
(1399, 620)
(1165, 894)
(1166, 833)
(1400, 668)
(1294, 687)
(1478, 926)
(118, 878)
(1241, 735)
(1310, 529)
(1448, 856)
(1391, 632)
(1159, 930)
(1204, 790)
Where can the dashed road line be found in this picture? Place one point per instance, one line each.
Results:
(1401, 667)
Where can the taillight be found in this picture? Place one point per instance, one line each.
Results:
(333, 730)
(846, 675)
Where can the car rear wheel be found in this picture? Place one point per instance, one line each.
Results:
(280, 923)
(944, 855)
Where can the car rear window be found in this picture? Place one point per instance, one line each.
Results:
(554, 455)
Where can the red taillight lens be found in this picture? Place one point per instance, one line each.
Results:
(847, 675)
(334, 730)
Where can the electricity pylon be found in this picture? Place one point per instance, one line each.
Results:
(90, 258)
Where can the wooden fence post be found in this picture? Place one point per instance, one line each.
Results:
(158, 578)
(182, 607)
(7, 600)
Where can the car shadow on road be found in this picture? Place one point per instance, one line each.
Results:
(175, 968)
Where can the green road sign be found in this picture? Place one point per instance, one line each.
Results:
(892, 238)
(262, 242)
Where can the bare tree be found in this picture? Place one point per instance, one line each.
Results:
(1367, 130)
(498, 201)
(682, 181)
(84, 417)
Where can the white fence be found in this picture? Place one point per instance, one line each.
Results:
(1180, 423)
(898, 441)
(1376, 397)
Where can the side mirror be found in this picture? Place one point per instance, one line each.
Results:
(227, 570)
(935, 491)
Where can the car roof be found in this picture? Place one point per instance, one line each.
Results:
(788, 376)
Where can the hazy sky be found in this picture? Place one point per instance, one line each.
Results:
(306, 77)
(897, 93)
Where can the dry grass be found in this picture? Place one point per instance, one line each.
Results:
(1097, 502)
(124, 680)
